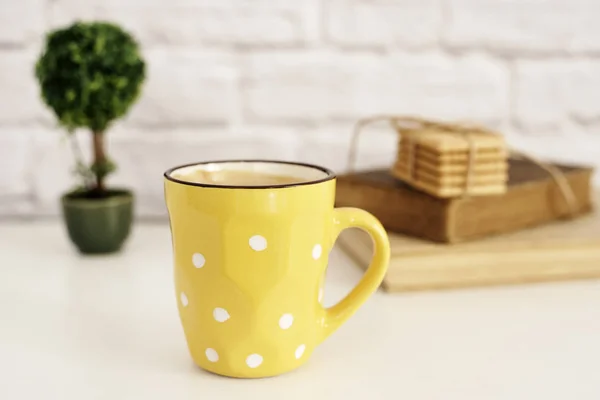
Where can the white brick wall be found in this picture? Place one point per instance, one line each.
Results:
(286, 79)
(550, 94)
(321, 85)
(524, 27)
(22, 21)
(188, 87)
(408, 24)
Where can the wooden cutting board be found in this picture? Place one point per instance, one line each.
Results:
(564, 250)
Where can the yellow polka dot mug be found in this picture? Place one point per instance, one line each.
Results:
(250, 242)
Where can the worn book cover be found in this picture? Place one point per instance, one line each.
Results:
(532, 198)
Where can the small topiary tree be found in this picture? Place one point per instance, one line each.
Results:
(90, 74)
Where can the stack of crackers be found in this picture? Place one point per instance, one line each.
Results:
(451, 164)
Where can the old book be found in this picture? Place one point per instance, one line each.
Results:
(532, 198)
(562, 250)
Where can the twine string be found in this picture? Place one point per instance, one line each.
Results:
(406, 127)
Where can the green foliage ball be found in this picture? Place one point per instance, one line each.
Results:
(90, 74)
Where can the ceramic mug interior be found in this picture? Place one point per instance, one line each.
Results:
(249, 174)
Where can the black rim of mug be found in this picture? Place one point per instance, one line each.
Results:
(330, 174)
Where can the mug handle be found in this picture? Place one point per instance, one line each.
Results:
(350, 217)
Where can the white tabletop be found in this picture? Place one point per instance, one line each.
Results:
(90, 328)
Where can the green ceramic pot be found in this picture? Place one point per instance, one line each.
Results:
(98, 224)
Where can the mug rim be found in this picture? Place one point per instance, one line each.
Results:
(330, 174)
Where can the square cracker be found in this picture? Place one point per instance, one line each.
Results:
(496, 155)
(443, 142)
(454, 179)
(453, 168)
(450, 191)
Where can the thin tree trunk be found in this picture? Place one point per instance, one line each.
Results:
(99, 158)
